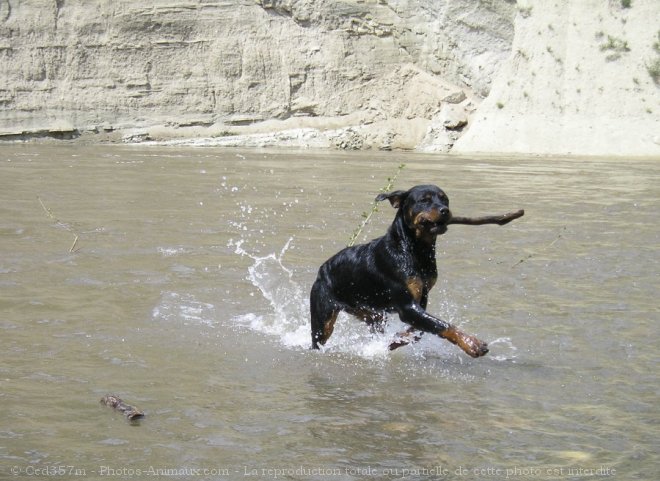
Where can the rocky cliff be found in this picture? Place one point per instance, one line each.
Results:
(370, 72)
(583, 77)
(333, 73)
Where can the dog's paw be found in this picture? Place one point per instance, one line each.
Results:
(473, 346)
(397, 344)
(470, 344)
(404, 338)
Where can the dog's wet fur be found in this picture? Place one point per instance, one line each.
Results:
(393, 273)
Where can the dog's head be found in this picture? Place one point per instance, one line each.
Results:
(425, 209)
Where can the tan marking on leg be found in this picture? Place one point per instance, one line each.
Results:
(415, 286)
(470, 344)
(328, 327)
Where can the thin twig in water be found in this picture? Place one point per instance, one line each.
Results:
(529, 256)
(374, 207)
(49, 213)
(46, 209)
(73, 246)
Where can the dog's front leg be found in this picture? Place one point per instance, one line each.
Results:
(418, 318)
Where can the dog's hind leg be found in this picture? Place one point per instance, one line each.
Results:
(323, 313)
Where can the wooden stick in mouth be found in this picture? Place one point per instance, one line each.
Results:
(488, 219)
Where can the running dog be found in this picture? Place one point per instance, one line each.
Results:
(394, 273)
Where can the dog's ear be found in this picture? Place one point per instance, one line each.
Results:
(395, 197)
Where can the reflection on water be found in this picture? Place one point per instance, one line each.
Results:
(186, 294)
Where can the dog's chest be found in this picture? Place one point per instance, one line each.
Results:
(420, 286)
(421, 279)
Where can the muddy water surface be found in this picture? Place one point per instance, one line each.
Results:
(178, 280)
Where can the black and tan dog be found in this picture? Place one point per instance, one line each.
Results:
(394, 273)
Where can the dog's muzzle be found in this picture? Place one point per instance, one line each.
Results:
(433, 221)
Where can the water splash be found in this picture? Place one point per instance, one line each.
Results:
(184, 308)
(288, 304)
(288, 318)
(503, 348)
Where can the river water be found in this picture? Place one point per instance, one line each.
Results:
(178, 278)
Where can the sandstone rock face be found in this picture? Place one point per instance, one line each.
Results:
(582, 78)
(210, 68)
(577, 77)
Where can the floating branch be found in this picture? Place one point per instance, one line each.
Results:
(131, 412)
(374, 206)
